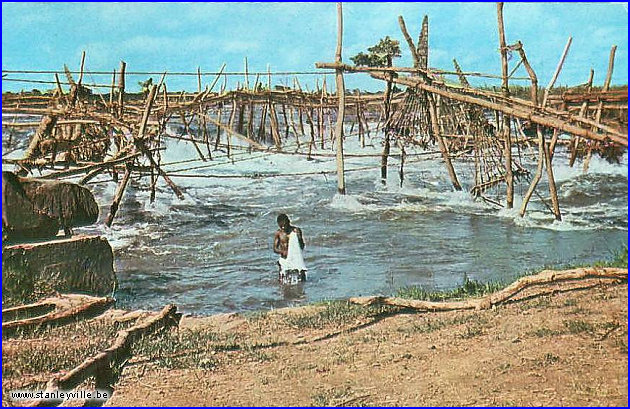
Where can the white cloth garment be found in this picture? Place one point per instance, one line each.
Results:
(295, 259)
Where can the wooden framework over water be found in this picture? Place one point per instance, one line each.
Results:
(79, 132)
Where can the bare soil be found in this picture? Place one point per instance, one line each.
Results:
(565, 349)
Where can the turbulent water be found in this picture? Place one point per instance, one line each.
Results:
(212, 251)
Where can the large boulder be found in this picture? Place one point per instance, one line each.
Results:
(20, 219)
(80, 264)
(37, 208)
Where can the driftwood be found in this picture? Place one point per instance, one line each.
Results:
(500, 297)
(94, 306)
(101, 365)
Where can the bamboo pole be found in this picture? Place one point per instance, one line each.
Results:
(505, 122)
(341, 96)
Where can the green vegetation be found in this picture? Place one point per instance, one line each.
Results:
(618, 259)
(184, 348)
(473, 288)
(24, 355)
(341, 396)
(470, 288)
(335, 313)
(379, 55)
(575, 327)
(429, 325)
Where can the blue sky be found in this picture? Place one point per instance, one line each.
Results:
(293, 36)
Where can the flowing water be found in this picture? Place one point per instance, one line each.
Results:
(212, 252)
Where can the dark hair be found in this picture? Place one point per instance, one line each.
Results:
(283, 218)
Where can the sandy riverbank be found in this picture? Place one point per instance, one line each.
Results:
(568, 348)
(563, 349)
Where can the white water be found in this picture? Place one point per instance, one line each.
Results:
(212, 252)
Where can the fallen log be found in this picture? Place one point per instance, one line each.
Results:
(543, 278)
(57, 318)
(103, 364)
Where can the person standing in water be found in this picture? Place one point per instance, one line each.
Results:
(289, 243)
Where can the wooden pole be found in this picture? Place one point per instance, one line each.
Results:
(557, 72)
(505, 125)
(403, 154)
(435, 127)
(230, 127)
(598, 112)
(532, 75)
(117, 198)
(575, 141)
(202, 132)
(412, 46)
(462, 78)
(552, 182)
(121, 88)
(522, 112)
(423, 44)
(111, 92)
(58, 83)
(81, 68)
(247, 76)
(545, 151)
(539, 132)
(341, 96)
(549, 148)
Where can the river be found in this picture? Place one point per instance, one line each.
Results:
(212, 252)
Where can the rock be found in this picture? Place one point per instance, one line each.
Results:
(20, 219)
(81, 264)
(36, 208)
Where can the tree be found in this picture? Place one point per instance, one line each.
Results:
(379, 55)
(382, 55)
(146, 86)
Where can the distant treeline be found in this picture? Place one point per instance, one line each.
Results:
(524, 92)
(518, 91)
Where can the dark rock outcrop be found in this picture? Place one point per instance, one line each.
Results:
(81, 264)
(37, 208)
